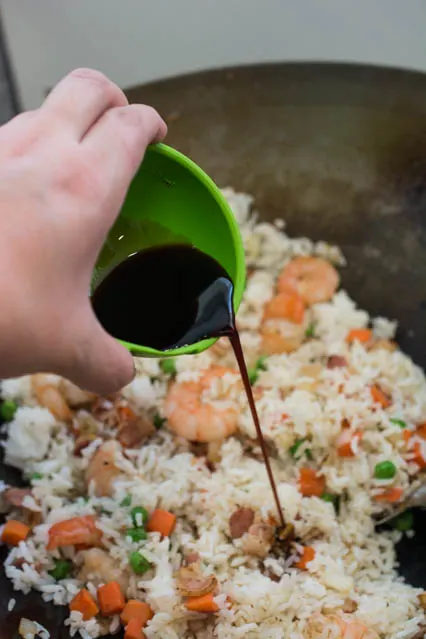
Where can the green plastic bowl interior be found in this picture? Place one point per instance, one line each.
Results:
(171, 200)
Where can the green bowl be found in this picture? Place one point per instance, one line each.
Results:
(171, 200)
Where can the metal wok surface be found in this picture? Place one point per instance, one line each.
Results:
(339, 151)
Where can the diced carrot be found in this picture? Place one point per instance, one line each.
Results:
(418, 457)
(363, 335)
(380, 396)
(205, 603)
(134, 630)
(308, 554)
(71, 532)
(125, 413)
(421, 430)
(111, 599)
(407, 435)
(346, 441)
(136, 610)
(390, 495)
(161, 521)
(14, 532)
(83, 602)
(310, 483)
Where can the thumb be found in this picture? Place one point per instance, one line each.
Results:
(98, 363)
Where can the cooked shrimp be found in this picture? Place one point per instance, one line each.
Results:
(325, 627)
(192, 582)
(75, 396)
(282, 329)
(191, 417)
(74, 532)
(281, 336)
(258, 540)
(286, 305)
(358, 630)
(102, 470)
(99, 567)
(334, 627)
(49, 396)
(315, 279)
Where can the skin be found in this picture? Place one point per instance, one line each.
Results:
(65, 169)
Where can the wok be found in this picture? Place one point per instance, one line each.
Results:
(340, 152)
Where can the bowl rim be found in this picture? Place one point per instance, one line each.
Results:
(239, 283)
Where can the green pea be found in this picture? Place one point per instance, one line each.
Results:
(385, 470)
(7, 410)
(253, 373)
(36, 476)
(136, 534)
(332, 499)
(404, 521)
(138, 563)
(168, 366)
(261, 363)
(293, 450)
(159, 421)
(310, 331)
(127, 501)
(61, 570)
(139, 516)
(398, 422)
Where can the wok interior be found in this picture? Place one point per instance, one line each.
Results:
(338, 151)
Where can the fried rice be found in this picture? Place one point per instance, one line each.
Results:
(307, 401)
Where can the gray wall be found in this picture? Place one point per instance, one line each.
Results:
(6, 103)
(135, 41)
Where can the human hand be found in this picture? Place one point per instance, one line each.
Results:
(64, 173)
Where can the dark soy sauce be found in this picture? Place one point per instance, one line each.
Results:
(239, 355)
(170, 296)
(164, 297)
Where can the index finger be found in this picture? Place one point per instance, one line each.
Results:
(116, 145)
(79, 100)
